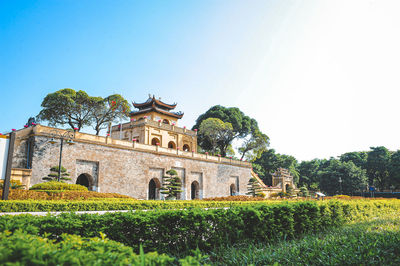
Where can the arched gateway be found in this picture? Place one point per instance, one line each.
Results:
(154, 189)
(85, 180)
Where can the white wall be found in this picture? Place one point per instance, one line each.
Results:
(3, 156)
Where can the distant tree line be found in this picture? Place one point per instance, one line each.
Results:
(351, 172)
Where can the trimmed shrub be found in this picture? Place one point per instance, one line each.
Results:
(60, 195)
(54, 185)
(107, 204)
(21, 248)
(14, 184)
(235, 198)
(176, 231)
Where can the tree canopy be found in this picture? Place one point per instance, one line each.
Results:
(77, 109)
(216, 133)
(242, 127)
(269, 162)
(109, 110)
(67, 107)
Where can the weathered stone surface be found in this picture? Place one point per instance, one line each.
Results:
(129, 171)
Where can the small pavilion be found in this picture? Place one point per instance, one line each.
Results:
(155, 123)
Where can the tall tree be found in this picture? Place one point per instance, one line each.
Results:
(378, 167)
(394, 169)
(308, 171)
(342, 178)
(216, 133)
(358, 158)
(254, 145)
(269, 162)
(109, 110)
(67, 107)
(241, 124)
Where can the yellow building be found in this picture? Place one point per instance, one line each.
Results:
(154, 123)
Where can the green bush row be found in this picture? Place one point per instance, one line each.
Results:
(55, 185)
(20, 248)
(179, 231)
(107, 204)
(369, 242)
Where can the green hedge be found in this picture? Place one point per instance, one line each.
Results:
(21, 248)
(107, 204)
(55, 185)
(184, 230)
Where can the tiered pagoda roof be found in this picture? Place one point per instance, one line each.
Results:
(156, 105)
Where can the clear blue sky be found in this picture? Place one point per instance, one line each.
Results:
(320, 77)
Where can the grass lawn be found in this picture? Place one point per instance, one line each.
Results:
(375, 241)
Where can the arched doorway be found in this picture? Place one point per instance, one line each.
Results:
(165, 121)
(171, 145)
(194, 188)
(155, 141)
(154, 189)
(186, 147)
(85, 180)
(232, 189)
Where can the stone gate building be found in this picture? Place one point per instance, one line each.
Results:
(133, 158)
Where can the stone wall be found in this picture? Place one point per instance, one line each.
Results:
(128, 171)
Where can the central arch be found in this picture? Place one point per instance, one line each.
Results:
(232, 189)
(186, 147)
(195, 190)
(154, 141)
(154, 189)
(171, 145)
(85, 180)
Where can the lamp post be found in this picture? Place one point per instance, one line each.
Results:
(340, 183)
(67, 136)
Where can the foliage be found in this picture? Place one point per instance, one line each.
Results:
(53, 176)
(67, 107)
(14, 184)
(269, 162)
(283, 194)
(358, 158)
(187, 229)
(394, 169)
(304, 191)
(242, 126)
(235, 198)
(109, 110)
(20, 248)
(172, 185)
(290, 191)
(19, 194)
(308, 171)
(378, 167)
(255, 145)
(216, 133)
(55, 185)
(254, 188)
(342, 178)
(370, 242)
(77, 109)
(99, 204)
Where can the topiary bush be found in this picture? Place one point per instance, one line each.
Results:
(54, 185)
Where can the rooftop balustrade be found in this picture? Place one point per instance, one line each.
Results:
(108, 141)
(155, 124)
